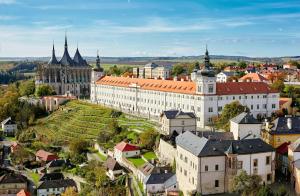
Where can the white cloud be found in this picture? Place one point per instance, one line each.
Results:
(7, 2)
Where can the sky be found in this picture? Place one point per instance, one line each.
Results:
(255, 28)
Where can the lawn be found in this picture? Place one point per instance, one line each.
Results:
(34, 176)
(149, 156)
(101, 156)
(12, 139)
(78, 119)
(137, 162)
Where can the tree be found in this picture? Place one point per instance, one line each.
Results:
(114, 126)
(27, 88)
(242, 64)
(174, 166)
(44, 90)
(70, 191)
(281, 191)
(245, 184)
(78, 146)
(177, 70)
(278, 85)
(290, 90)
(294, 63)
(230, 111)
(265, 191)
(148, 138)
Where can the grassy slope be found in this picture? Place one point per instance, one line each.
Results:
(80, 119)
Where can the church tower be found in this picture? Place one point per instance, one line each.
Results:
(96, 74)
(205, 78)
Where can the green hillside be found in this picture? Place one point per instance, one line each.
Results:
(79, 119)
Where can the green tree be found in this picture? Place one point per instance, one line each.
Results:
(294, 63)
(278, 85)
(281, 191)
(229, 111)
(44, 90)
(290, 90)
(148, 138)
(114, 126)
(242, 64)
(265, 191)
(70, 191)
(245, 184)
(27, 88)
(177, 70)
(78, 146)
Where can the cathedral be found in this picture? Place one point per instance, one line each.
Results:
(70, 76)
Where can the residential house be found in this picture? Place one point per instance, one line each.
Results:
(245, 126)
(177, 121)
(55, 187)
(282, 161)
(52, 176)
(208, 166)
(44, 156)
(294, 164)
(113, 168)
(289, 66)
(11, 183)
(145, 170)
(253, 77)
(9, 127)
(23, 193)
(125, 150)
(225, 75)
(281, 130)
(56, 165)
(160, 184)
(152, 70)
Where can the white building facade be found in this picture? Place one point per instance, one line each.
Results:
(202, 95)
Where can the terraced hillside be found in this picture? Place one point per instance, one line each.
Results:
(79, 119)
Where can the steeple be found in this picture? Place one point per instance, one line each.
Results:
(206, 59)
(98, 65)
(66, 59)
(78, 58)
(66, 41)
(53, 59)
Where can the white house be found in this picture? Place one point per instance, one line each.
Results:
(125, 150)
(224, 76)
(55, 187)
(113, 168)
(245, 126)
(201, 95)
(177, 121)
(160, 183)
(9, 127)
(208, 166)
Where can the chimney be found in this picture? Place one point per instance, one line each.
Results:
(175, 78)
(248, 80)
(182, 79)
(166, 171)
(233, 80)
(289, 123)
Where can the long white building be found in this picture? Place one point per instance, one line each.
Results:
(201, 95)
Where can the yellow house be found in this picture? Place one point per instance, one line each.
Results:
(281, 130)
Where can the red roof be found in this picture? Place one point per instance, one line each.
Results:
(236, 88)
(283, 148)
(254, 77)
(187, 87)
(45, 156)
(23, 193)
(123, 147)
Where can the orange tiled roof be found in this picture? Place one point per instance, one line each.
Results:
(255, 77)
(187, 87)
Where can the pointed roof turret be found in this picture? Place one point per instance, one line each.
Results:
(78, 60)
(53, 59)
(206, 59)
(98, 65)
(66, 59)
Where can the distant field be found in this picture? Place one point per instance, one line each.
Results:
(6, 65)
(79, 119)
